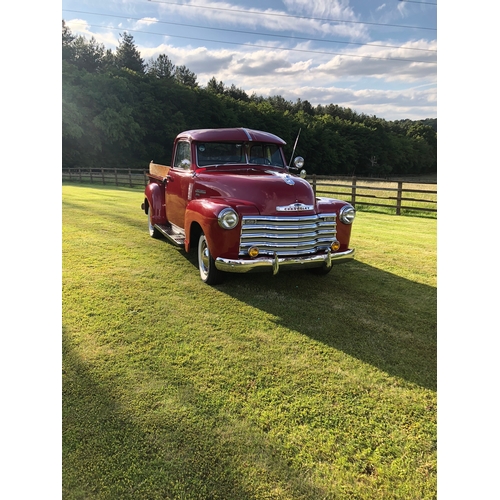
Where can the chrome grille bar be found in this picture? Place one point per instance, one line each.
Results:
(288, 235)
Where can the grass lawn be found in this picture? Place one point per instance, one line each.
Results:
(285, 387)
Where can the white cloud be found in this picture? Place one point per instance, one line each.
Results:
(262, 63)
(391, 64)
(402, 9)
(81, 27)
(326, 9)
(413, 104)
(199, 60)
(146, 21)
(267, 20)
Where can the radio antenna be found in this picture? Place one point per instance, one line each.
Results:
(295, 145)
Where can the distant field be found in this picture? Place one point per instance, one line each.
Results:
(287, 387)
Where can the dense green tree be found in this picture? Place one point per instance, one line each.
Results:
(161, 67)
(127, 55)
(304, 106)
(108, 61)
(88, 55)
(185, 77)
(280, 103)
(215, 87)
(68, 51)
(237, 93)
(219, 88)
(424, 131)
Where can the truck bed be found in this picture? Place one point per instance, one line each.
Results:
(158, 170)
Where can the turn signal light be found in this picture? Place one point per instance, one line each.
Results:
(335, 246)
(253, 252)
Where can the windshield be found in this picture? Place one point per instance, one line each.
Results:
(220, 153)
(217, 153)
(266, 154)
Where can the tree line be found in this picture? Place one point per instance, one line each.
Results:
(119, 110)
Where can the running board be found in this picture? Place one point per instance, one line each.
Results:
(177, 237)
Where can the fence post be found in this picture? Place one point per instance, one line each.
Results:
(314, 185)
(116, 177)
(91, 178)
(69, 170)
(102, 174)
(130, 177)
(399, 197)
(353, 192)
(80, 174)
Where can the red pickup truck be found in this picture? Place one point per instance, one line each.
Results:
(230, 194)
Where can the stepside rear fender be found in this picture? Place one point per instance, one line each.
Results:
(155, 196)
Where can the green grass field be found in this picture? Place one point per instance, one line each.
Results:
(285, 387)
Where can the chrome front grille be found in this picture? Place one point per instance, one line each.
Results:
(288, 235)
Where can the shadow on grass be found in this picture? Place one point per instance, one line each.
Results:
(375, 316)
(177, 444)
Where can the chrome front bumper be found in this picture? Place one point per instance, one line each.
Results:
(275, 263)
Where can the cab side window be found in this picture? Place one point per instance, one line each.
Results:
(183, 156)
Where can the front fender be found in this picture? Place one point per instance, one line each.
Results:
(329, 205)
(204, 212)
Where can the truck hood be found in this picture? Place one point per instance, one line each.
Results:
(272, 192)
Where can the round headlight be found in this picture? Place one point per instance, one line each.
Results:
(298, 162)
(347, 214)
(228, 218)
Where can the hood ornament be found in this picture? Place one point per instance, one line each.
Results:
(286, 177)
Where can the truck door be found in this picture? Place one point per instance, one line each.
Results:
(180, 176)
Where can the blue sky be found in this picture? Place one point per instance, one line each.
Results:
(292, 48)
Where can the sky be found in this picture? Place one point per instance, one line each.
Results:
(375, 57)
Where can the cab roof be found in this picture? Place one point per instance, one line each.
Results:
(230, 135)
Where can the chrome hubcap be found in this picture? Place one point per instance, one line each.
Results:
(203, 257)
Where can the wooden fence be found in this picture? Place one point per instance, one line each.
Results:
(127, 177)
(394, 196)
(398, 195)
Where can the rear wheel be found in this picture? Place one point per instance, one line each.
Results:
(209, 274)
(153, 232)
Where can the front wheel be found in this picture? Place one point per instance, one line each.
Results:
(209, 274)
